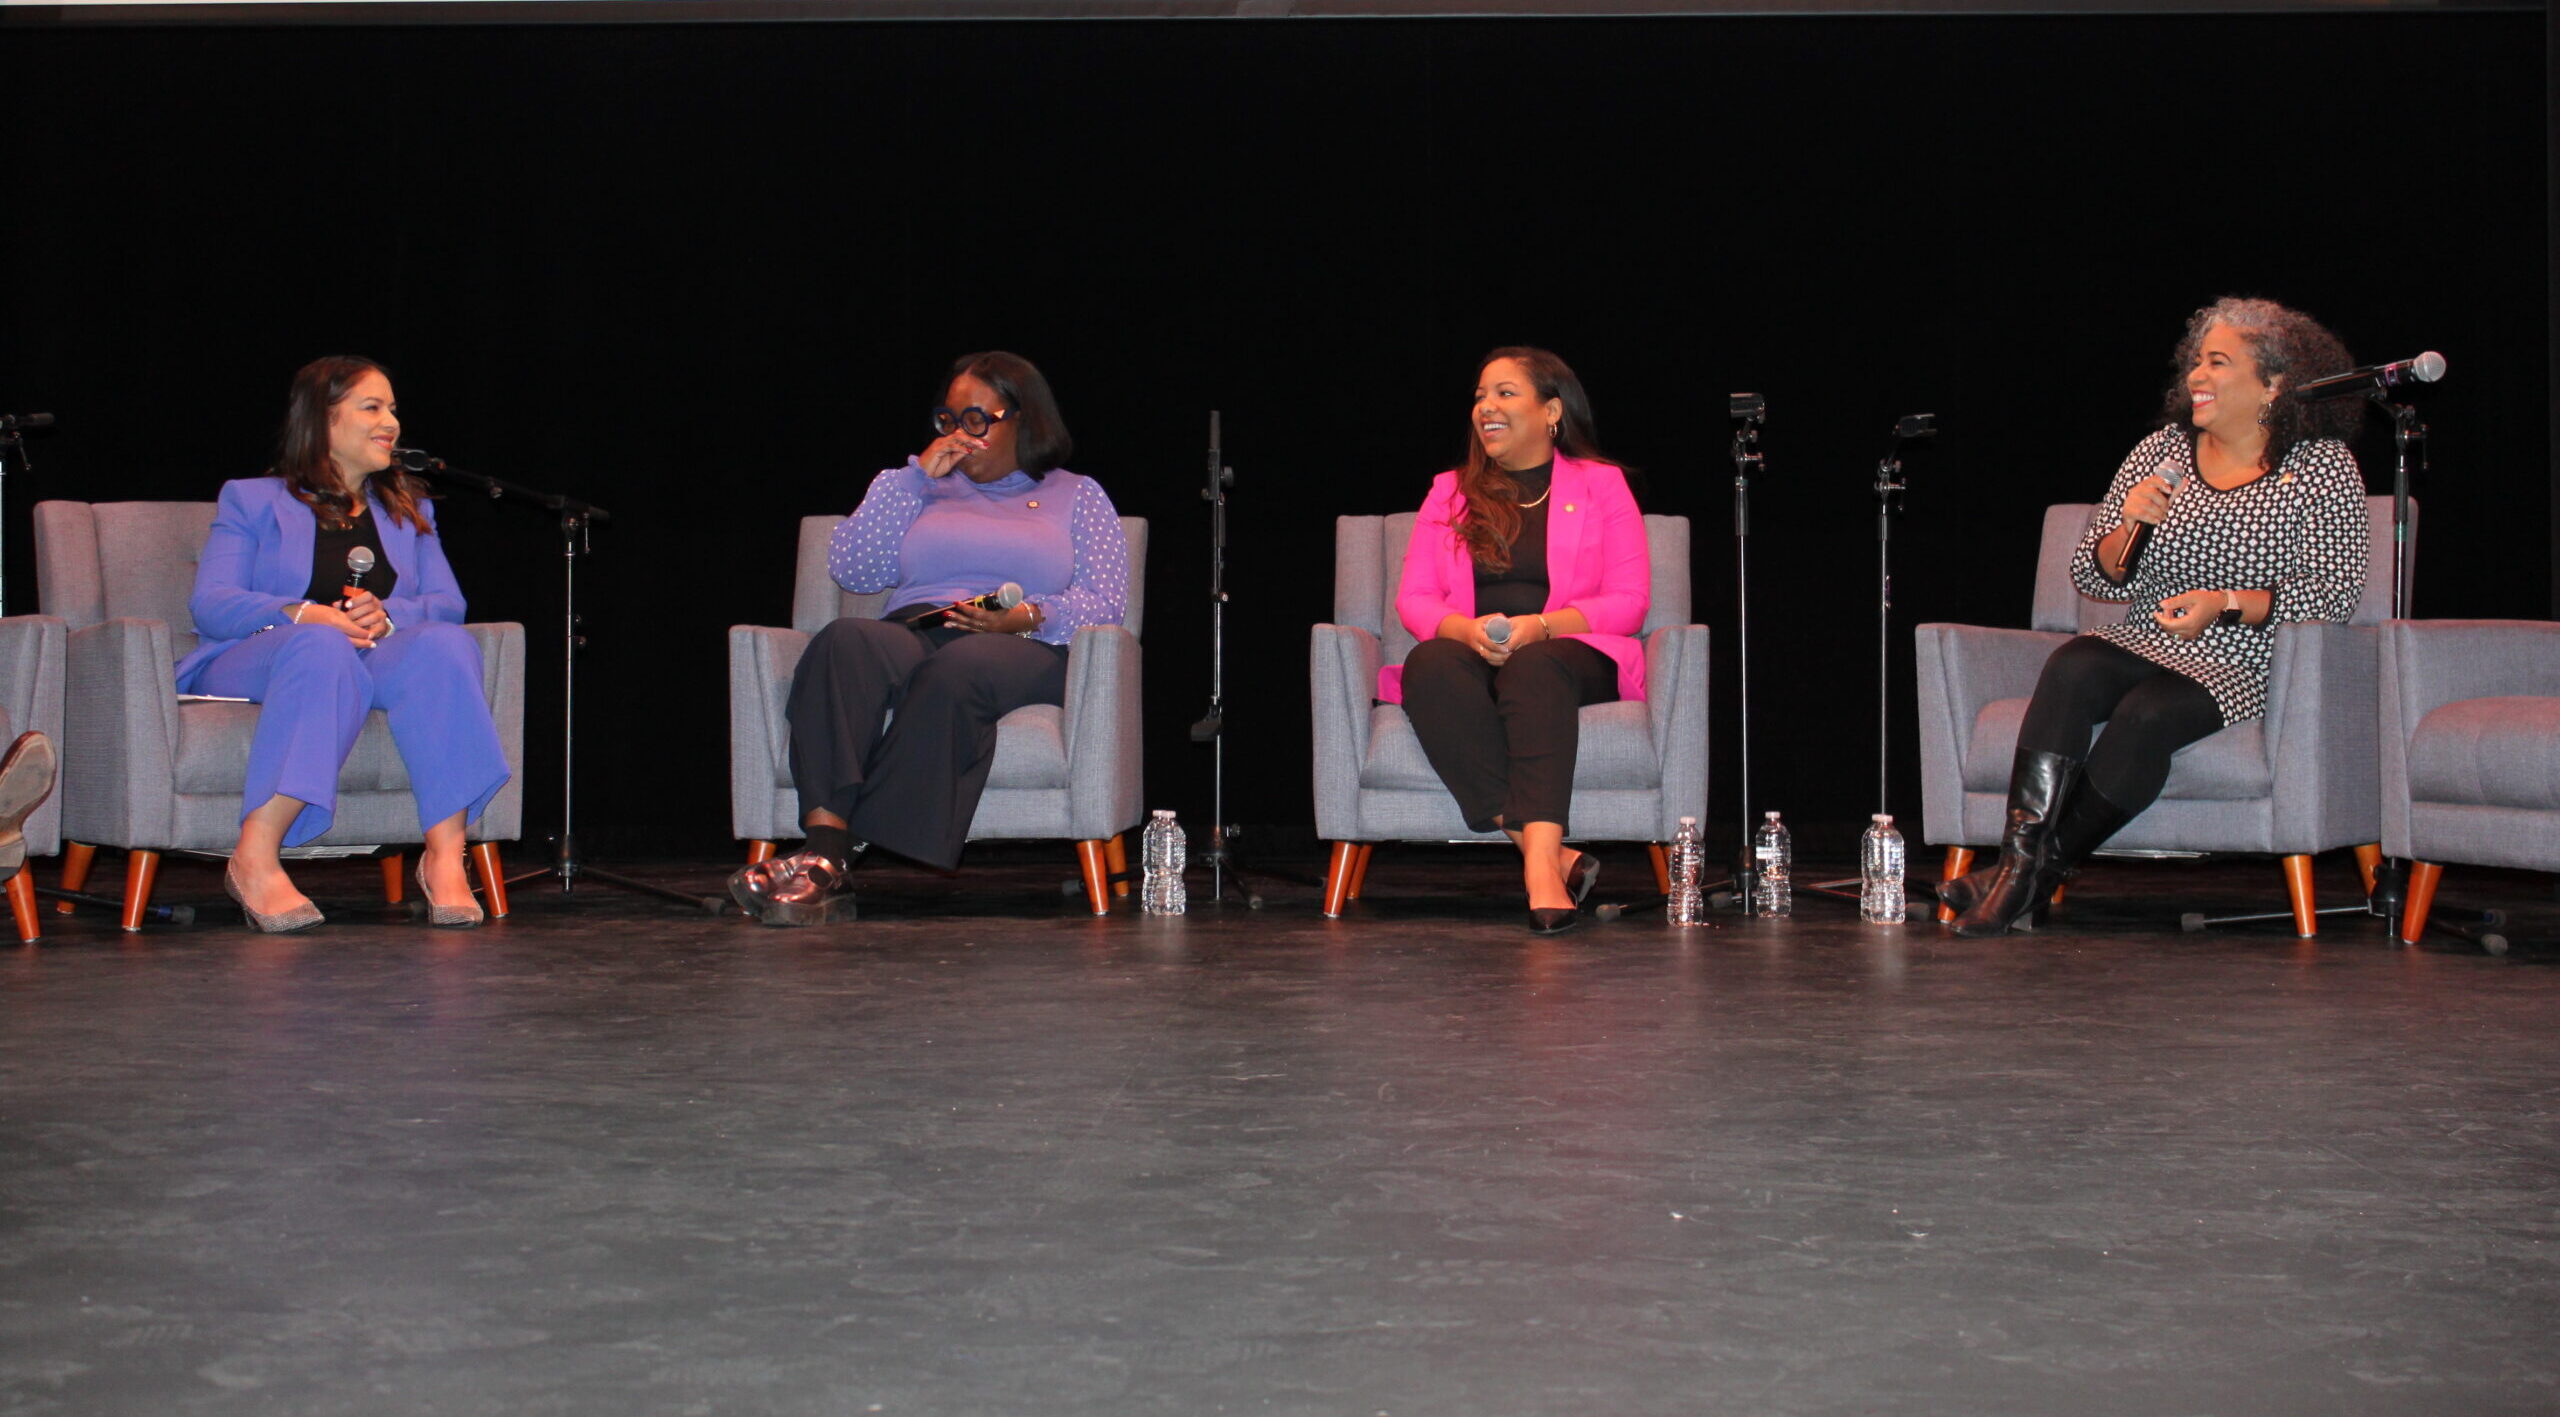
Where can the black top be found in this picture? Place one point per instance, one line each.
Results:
(1522, 590)
(329, 547)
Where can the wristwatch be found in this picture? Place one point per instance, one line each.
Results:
(2230, 609)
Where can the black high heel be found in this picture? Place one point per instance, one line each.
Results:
(1550, 921)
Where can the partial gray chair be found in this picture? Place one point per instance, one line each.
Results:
(2300, 780)
(32, 649)
(2470, 750)
(1641, 768)
(146, 772)
(1070, 772)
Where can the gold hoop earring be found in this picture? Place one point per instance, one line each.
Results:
(1551, 431)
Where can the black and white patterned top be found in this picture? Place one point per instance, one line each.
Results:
(2298, 531)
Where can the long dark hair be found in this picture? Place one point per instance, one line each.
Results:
(1040, 438)
(1491, 521)
(302, 453)
(2282, 342)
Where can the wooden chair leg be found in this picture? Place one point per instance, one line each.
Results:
(141, 870)
(76, 861)
(1337, 877)
(759, 851)
(22, 906)
(2424, 876)
(2369, 862)
(1661, 855)
(1959, 861)
(2297, 884)
(394, 883)
(1093, 857)
(1360, 869)
(493, 878)
(1116, 856)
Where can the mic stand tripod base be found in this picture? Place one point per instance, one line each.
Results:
(568, 870)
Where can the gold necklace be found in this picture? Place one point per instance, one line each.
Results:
(1542, 499)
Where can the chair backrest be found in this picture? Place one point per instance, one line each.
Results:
(2059, 605)
(1368, 565)
(153, 545)
(817, 601)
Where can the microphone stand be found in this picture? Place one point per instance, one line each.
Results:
(577, 519)
(1889, 490)
(1212, 727)
(1750, 412)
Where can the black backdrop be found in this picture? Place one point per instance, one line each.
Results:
(708, 275)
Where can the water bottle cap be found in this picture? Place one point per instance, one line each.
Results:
(1882, 819)
(1772, 816)
(1164, 814)
(1688, 821)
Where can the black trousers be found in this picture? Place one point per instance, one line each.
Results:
(1505, 740)
(2150, 712)
(910, 784)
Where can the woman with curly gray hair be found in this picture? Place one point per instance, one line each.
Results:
(2245, 512)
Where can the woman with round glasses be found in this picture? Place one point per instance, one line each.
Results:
(1525, 583)
(893, 721)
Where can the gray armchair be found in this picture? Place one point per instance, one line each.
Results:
(2299, 781)
(1642, 766)
(2470, 750)
(1071, 772)
(146, 772)
(31, 670)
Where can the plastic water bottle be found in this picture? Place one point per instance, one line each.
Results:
(1881, 860)
(1688, 872)
(1773, 855)
(1165, 854)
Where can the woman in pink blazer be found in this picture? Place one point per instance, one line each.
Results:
(1525, 584)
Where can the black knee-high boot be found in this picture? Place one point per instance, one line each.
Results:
(2040, 785)
(2088, 821)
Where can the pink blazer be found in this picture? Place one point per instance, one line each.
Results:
(1596, 563)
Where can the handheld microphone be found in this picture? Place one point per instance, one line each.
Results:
(1003, 597)
(2172, 474)
(13, 422)
(359, 565)
(1498, 630)
(2374, 378)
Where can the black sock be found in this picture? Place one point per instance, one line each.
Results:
(835, 843)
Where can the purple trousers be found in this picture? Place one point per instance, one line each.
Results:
(314, 687)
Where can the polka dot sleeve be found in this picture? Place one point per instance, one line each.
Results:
(2166, 446)
(1099, 594)
(862, 555)
(2327, 577)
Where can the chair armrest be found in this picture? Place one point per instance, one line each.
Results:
(2323, 732)
(761, 662)
(501, 645)
(1100, 725)
(1675, 686)
(33, 657)
(2439, 662)
(1342, 675)
(1962, 670)
(119, 753)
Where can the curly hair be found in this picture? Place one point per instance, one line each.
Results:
(1491, 521)
(302, 457)
(2284, 344)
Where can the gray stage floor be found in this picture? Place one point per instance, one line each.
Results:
(980, 1153)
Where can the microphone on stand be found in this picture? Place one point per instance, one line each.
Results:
(2172, 474)
(1003, 597)
(417, 460)
(13, 422)
(2374, 378)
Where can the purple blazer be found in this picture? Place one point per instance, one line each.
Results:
(1596, 563)
(257, 560)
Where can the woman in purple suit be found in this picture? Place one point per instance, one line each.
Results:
(323, 593)
(986, 503)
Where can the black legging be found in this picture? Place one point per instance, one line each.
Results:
(2150, 712)
(1505, 740)
(911, 783)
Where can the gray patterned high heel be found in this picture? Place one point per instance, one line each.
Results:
(446, 917)
(285, 922)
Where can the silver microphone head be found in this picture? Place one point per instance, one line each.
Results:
(359, 564)
(1498, 629)
(2427, 367)
(2170, 472)
(1008, 596)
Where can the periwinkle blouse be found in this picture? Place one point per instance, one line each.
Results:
(933, 540)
